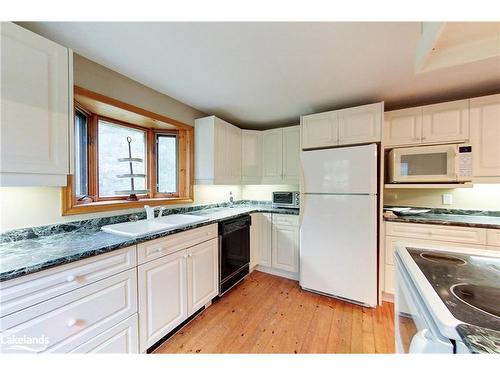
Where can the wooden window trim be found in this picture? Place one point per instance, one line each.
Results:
(97, 106)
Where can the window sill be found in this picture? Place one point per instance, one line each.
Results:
(103, 206)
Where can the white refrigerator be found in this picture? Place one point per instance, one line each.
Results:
(338, 229)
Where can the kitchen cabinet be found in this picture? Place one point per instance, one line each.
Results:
(320, 130)
(437, 123)
(217, 152)
(446, 122)
(361, 124)
(260, 240)
(285, 243)
(347, 126)
(202, 275)
(162, 297)
(272, 156)
(485, 135)
(280, 155)
(251, 156)
(35, 107)
(174, 287)
(291, 158)
(403, 127)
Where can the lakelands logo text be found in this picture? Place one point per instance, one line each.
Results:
(14, 343)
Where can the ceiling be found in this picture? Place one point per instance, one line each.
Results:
(262, 75)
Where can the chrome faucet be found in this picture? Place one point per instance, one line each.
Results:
(161, 211)
(231, 199)
(150, 212)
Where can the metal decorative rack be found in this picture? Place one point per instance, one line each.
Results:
(133, 191)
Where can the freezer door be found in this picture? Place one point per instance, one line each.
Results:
(338, 246)
(340, 170)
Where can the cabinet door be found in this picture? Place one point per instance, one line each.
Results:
(291, 149)
(233, 154)
(202, 274)
(361, 124)
(319, 130)
(34, 109)
(446, 122)
(403, 127)
(251, 156)
(485, 135)
(285, 254)
(272, 156)
(162, 297)
(260, 242)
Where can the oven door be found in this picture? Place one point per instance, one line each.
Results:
(414, 328)
(424, 164)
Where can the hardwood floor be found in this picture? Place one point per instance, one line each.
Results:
(270, 314)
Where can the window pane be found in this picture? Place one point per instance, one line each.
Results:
(81, 160)
(113, 145)
(166, 163)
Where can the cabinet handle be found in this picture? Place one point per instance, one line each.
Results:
(190, 255)
(157, 250)
(70, 278)
(71, 323)
(185, 255)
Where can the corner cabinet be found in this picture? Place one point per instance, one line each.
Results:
(260, 240)
(251, 156)
(217, 152)
(485, 135)
(35, 106)
(347, 126)
(280, 155)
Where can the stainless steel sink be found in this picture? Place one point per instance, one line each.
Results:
(161, 224)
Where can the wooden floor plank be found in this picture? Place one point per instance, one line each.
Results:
(270, 314)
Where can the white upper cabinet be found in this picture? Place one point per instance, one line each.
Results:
(446, 122)
(217, 152)
(485, 135)
(320, 130)
(35, 104)
(280, 155)
(361, 124)
(403, 127)
(251, 156)
(291, 151)
(342, 127)
(272, 156)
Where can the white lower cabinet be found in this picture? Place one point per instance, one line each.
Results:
(285, 249)
(275, 241)
(173, 287)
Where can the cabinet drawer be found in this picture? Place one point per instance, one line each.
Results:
(77, 314)
(26, 291)
(493, 237)
(163, 246)
(121, 338)
(437, 232)
(281, 219)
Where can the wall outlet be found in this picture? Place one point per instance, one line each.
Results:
(447, 199)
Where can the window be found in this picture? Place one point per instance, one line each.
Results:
(162, 171)
(113, 144)
(81, 157)
(166, 163)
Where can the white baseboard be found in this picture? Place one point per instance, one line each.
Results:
(388, 297)
(276, 272)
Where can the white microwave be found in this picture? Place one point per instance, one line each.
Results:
(440, 163)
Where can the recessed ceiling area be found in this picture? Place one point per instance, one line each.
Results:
(263, 75)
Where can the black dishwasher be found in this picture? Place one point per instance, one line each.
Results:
(234, 251)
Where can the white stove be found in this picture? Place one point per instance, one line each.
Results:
(425, 298)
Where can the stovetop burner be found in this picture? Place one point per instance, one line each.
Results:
(483, 298)
(442, 258)
(469, 285)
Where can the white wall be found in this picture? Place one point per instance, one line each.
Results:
(264, 192)
(480, 197)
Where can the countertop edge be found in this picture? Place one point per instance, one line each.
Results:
(440, 222)
(479, 340)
